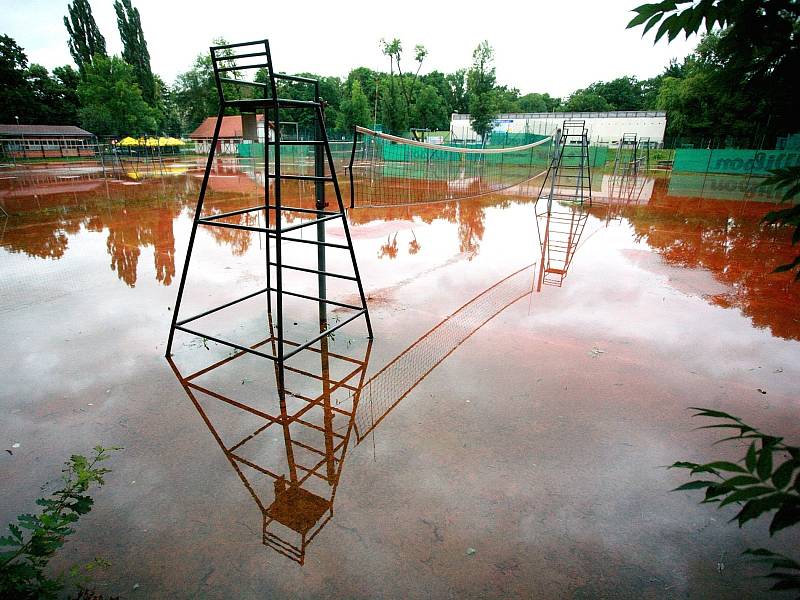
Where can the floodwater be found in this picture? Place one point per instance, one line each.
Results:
(503, 436)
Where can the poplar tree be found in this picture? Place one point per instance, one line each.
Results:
(480, 87)
(85, 39)
(134, 48)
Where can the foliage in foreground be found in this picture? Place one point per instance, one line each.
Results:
(788, 181)
(35, 539)
(766, 480)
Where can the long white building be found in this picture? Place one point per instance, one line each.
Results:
(604, 127)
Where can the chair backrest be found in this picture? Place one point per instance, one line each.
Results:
(243, 71)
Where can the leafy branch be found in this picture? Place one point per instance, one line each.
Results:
(788, 181)
(783, 581)
(766, 480)
(673, 21)
(34, 539)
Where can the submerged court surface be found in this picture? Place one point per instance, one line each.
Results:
(515, 449)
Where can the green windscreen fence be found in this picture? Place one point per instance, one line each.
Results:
(301, 157)
(733, 161)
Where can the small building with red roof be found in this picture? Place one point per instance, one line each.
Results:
(234, 130)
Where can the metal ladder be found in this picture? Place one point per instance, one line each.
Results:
(560, 230)
(569, 176)
(232, 59)
(623, 165)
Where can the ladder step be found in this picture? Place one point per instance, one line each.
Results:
(316, 299)
(305, 210)
(271, 231)
(255, 103)
(316, 242)
(310, 222)
(247, 55)
(225, 225)
(309, 270)
(242, 211)
(301, 177)
(240, 67)
(329, 330)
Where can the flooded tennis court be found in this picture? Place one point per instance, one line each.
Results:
(504, 435)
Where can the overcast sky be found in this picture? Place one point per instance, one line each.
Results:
(553, 46)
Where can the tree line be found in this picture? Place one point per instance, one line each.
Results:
(120, 95)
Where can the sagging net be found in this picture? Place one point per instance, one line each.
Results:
(386, 170)
(396, 380)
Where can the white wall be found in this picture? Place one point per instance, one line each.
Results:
(604, 127)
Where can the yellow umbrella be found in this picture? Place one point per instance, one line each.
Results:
(162, 141)
(128, 141)
(152, 142)
(171, 141)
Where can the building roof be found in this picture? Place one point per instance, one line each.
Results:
(44, 131)
(231, 127)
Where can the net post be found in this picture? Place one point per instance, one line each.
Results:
(319, 190)
(350, 168)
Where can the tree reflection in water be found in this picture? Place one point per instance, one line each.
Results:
(728, 239)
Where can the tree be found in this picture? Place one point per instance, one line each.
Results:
(68, 80)
(111, 101)
(15, 91)
(355, 110)
(480, 85)
(195, 92)
(537, 103)
(506, 99)
(134, 48)
(585, 101)
(170, 121)
(406, 82)
(366, 77)
(430, 111)
(54, 100)
(457, 98)
(623, 93)
(31, 93)
(85, 39)
(439, 82)
(393, 113)
(757, 52)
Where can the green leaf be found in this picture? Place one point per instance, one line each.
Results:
(640, 18)
(783, 474)
(726, 466)
(8, 541)
(683, 465)
(5, 556)
(737, 437)
(83, 505)
(739, 481)
(742, 428)
(761, 552)
(694, 485)
(746, 494)
(713, 491)
(787, 515)
(707, 412)
(755, 508)
(764, 465)
(651, 23)
(750, 458)
(15, 531)
(785, 582)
